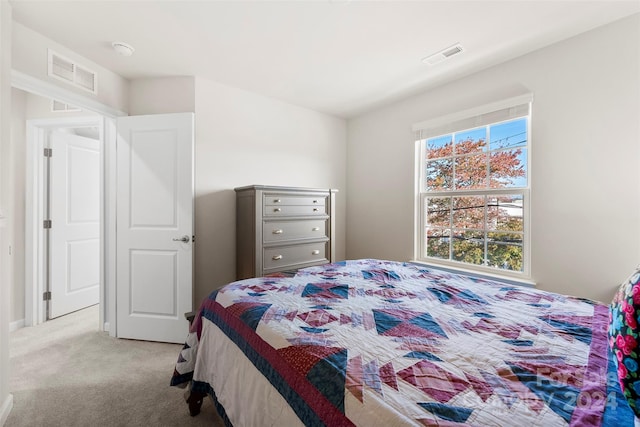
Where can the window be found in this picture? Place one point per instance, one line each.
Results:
(473, 188)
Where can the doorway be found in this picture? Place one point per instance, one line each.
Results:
(64, 221)
(33, 307)
(73, 233)
(34, 285)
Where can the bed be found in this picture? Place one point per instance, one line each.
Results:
(374, 342)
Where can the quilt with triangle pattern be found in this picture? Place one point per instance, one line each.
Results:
(373, 342)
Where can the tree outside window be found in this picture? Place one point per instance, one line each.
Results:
(473, 182)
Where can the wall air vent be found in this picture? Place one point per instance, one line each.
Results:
(443, 54)
(86, 79)
(61, 107)
(60, 67)
(66, 70)
(452, 51)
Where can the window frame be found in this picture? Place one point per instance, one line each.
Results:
(448, 124)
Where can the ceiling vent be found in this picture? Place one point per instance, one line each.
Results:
(66, 70)
(443, 54)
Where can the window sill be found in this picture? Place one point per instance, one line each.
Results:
(517, 281)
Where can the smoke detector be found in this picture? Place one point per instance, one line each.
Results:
(123, 48)
(443, 54)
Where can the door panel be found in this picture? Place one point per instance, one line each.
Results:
(75, 217)
(155, 210)
(154, 272)
(154, 179)
(84, 261)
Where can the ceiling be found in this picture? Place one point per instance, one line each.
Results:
(338, 57)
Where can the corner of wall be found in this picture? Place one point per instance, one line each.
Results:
(6, 399)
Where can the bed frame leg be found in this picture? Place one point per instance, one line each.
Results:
(194, 399)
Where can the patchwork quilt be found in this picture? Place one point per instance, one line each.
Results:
(372, 342)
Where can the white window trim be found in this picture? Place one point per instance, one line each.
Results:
(419, 234)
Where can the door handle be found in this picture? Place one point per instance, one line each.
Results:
(183, 239)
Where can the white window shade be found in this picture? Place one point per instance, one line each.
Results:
(468, 119)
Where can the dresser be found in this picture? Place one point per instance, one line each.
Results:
(283, 228)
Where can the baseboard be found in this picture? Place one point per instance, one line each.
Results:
(105, 327)
(6, 409)
(14, 326)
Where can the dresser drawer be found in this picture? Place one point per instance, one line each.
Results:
(280, 231)
(286, 256)
(290, 210)
(288, 200)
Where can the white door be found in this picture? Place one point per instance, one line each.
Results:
(154, 253)
(75, 217)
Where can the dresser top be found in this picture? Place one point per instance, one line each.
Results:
(279, 188)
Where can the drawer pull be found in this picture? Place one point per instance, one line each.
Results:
(315, 201)
(277, 210)
(276, 257)
(278, 231)
(316, 209)
(315, 229)
(277, 201)
(315, 252)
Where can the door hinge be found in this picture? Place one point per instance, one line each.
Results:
(46, 296)
(46, 223)
(48, 152)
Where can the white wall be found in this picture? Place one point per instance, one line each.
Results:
(6, 400)
(243, 139)
(585, 179)
(30, 57)
(17, 194)
(162, 95)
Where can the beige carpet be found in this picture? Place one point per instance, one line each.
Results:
(67, 373)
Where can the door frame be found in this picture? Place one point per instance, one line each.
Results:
(20, 80)
(36, 244)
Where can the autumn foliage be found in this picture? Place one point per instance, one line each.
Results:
(476, 229)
